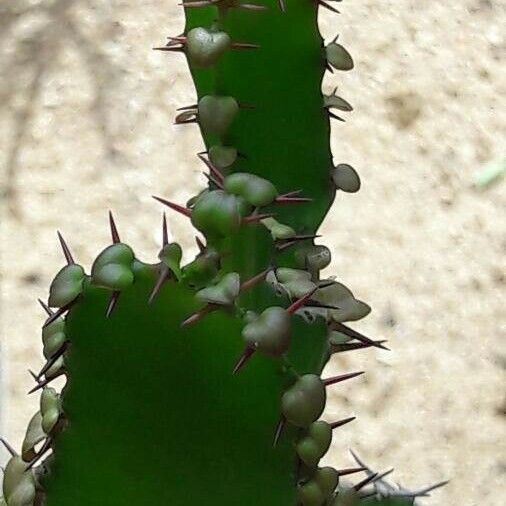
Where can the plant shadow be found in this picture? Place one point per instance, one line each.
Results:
(26, 64)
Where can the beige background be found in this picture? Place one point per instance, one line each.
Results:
(86, 125)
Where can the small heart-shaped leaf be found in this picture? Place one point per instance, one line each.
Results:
(295, 281)
(327, 479)
(345, 178)
(270, 332)
(49, 400)
(18, 484)
(53, 337)
(222, 156)
(313, 447)
(66, 285)
(278, 230)
(310, 494)
(56, 369)
(224, 292)
(202, 270)
(216, 114)
(308, 451)
(171, 255)
(303, 402)
(338, 295)
(49, 420)
(255, 190)
(113, 277)
(115, 254)
(217, 213)
(335, 102)
(204, 47)
(313, 257)
(338, 56)
(33, 436)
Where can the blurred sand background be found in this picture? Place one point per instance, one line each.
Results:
(86, 126)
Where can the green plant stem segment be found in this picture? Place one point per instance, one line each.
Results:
(200, 384)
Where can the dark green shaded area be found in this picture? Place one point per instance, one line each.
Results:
(156, 417)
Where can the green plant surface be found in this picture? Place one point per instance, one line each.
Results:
(284, 137)
(200, 383)
(157, 416)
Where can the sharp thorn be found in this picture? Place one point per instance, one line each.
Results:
(254, 280)
(315, 303)
(286, 243)
(187, 107)
(292, 193)
(353, 346)
(33, 375)
(372, 479)
(327, 6)
(343, 377)
(45, 307)
(8, 447)
(112, 303)
(66, 250)
(279, 430)
(335, 116)
(199, 3)
(165, 231)
(245, 356)
(172, 49)
(184, 121)
(176, 207)
(42, 384)
(300, 302)
(195, 317)
(177, 38)
(52, 360)
(430, 488)
(357, 459)
(382, 475)
(162, 277)
(114, 229)
(200, 244)
(292, 200)
(282, 5)
(351, 470)
(252, 7)
(357, 335)
(244, 45)
(213, 180)
(360, 485)
(59, 312)
(253, 218)
(212, 168)
(44, 449)
(340, 423)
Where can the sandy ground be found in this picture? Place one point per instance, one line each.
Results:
(85, 125)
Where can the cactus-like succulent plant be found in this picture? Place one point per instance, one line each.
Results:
(201, 383)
